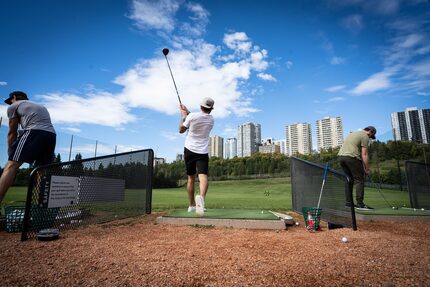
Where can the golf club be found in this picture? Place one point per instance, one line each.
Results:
(323, 183)
(165, 52)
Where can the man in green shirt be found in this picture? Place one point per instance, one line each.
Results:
(354, 160)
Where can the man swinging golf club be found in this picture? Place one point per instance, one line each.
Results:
(196, 155)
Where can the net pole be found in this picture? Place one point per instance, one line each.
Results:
(70, 150)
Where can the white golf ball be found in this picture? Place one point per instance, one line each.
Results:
(262, 211)
(344, 239)
(297, 223)
(422, 209)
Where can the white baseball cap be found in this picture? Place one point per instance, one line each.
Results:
(207, 103)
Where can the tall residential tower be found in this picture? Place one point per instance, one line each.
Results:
(411, 125)
(329, 133)
(298, 138)
(216, 146)
(248, 139)
(230, 148)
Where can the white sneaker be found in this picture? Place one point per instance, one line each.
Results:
(200, 205)
(203, 200)
(191, 208)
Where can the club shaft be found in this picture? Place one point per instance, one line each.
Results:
(323, 183)
(174, 83)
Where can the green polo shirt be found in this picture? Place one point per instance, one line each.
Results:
(353, 144)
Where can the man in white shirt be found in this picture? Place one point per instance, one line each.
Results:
(196, 156)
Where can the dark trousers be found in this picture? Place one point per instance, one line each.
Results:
(354, 169)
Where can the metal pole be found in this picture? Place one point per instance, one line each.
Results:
(95, 151)
(95, 155)
(70, 150)
(398, 161)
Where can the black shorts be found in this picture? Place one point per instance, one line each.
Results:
(34, 146)
(195, 161)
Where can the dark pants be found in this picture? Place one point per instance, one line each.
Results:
(354, 169)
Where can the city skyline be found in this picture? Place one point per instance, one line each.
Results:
(98, 67)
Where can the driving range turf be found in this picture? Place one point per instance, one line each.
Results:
(253, 194)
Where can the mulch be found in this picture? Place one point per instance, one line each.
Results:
(139, 252)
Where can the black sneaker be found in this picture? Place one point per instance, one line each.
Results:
(362, 206)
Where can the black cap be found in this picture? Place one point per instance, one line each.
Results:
(20, 95)
(372, 129)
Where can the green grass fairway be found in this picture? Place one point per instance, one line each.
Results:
(259, 194)
(255, 214)
(268, 194)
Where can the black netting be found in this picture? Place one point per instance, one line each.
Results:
(306, 182)
(71, 194)
(418, 178)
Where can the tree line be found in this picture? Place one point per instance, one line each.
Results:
(386, 161)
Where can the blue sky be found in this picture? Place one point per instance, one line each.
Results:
(98, 67)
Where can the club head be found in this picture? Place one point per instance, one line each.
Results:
(165, 51)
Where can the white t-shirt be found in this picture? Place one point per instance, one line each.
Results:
(199, 126)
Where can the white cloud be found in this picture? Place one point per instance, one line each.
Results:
(421, 69)
(198, 20)
(374, 83)
(266, 77)
(410, 41)
(199, 68)
(334, 89)
(238, 42)
(337, 60)
(72, 130)
(154, 14)
(3, 83)
(100, 108)
(148, 84)
(289, 65)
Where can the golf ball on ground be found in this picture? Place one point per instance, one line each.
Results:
(344, 239)
(297, 223)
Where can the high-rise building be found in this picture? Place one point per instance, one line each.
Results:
(329, 133)
(159, 160)
(216, 146)
(282, 145)
(298, 138)
(411, 125)
(230, 148)
(248, 139)
(179, 156)
(269, 146)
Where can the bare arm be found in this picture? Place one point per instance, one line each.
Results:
(365, 158)
(184, 113)
(12, 133)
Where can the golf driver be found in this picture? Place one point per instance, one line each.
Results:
(165, 52)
